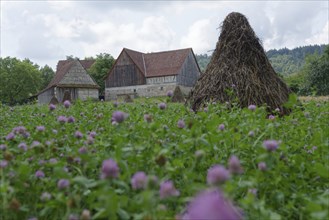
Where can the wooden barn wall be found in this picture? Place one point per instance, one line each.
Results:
(189, 73)
(60, 93)
(125, 73)
(45, 97)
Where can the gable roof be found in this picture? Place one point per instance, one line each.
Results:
(163, 63)
(63, 67)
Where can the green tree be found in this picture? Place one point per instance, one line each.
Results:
(47, 74)
(19, 80)
(100, 68)
(318, 74)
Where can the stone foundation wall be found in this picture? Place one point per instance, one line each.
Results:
(85, 93)
(143, 91)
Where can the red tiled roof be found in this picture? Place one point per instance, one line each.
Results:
(160, 63)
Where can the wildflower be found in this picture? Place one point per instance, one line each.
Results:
(139, 180)
(39, 174)
(251, 134)
(22, 146)
(45, 196)
(205, 109)
(92, 134)
(115, 104)
(78, 134)
(41, 162)
(35, 144)
(3, 147)
(109, 169)
(41, 128)
(52, 107)
(167, 189)
(77, 160)
(63, 183)
(3, 163)
(234, 165)
(148, 118)
(70, 119)
(270, 145)
(119, 116)
(54, 131)
(162, 106)
(53, 161)
(181, 124)
(67, 103)
(252, 107)
(221, 127)
(10, 136)
(262, 166)
(61, 119)
(33, 218)
(211, 204)
(271, 117)
(83, 150)
(19, 130)
(199, 154)
(90, 140)
(170, 93)
(73, 217)
(26, 134)
(253, 191)
(217, 174)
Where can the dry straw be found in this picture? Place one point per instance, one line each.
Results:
(240, 70)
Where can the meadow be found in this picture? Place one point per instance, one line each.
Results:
(151, 159)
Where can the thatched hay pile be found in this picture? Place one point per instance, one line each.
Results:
(67, 96)
(239, 69)
(53, 100)
(178, 95)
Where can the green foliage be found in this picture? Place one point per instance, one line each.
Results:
(100, 68)
(203, 60)
(19, 80)
(47, 74)
(294, 186)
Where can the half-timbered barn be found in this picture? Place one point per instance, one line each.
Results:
(151, 74)
(72, 76)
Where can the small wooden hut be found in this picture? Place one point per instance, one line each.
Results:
(72, 76)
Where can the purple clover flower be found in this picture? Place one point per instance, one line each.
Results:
(83, 150)
(119, 116)
(19, 130)
(22, 146)
(41, 128)
(63, 184)
(3, 163)
(270, 145)
(181, 124)
(139, 180)
(10, 136)
(35, 144)
(253, 191)
(61, 119)
(39, 174)
(109, 169)
(234, 165)
(92, 134)
(52, 161)
(221, 127)
(262, 166)
(271, 117)
(90, 140)
(167, 189)
(211, 204)
(162, 106)
(252, 107)
(217, 174)
(52, 107)
(73, 217)
(70, 119)
(3, 147)
(67, 104)
(251, 134)
(78, 134)
(170, 93)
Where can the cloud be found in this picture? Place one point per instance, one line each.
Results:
(201, 36)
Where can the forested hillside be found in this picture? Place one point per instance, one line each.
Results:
(284, 61)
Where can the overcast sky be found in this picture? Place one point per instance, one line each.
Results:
(47, 31)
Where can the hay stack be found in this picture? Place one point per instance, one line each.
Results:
(239, 64)
(178, 95)
(53, 100)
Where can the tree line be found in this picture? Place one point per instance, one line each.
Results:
(305, 69)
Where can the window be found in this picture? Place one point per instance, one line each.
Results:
(161, 88)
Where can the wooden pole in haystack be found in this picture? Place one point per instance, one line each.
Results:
(239, 71)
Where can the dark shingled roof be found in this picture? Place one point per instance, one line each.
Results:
(163, 63)
(63, 66)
